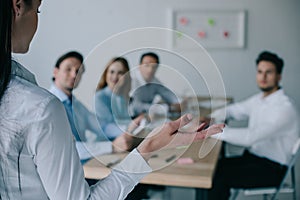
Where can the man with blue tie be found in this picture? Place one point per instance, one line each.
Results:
(67, 74)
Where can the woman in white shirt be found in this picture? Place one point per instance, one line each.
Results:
(38, 155)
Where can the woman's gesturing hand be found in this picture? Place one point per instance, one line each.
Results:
(168, 135)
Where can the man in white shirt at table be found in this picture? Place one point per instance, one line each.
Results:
(67, 74)
(272, 130)
(145, 87)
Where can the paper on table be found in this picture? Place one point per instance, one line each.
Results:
(213, 103)
(141, 127)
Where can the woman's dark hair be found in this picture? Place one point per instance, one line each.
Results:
(102, 83)
(5, 44)
(6, 17)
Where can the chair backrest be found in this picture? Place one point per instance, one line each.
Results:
(295, 153)
(296, 147)
(276, 190)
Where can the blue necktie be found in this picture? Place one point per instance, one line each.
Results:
(69, 109)
(68, 106)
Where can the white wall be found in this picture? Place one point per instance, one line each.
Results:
(81, 25)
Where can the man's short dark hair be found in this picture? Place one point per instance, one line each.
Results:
(71, 54)
(151, 54)
(271, 57)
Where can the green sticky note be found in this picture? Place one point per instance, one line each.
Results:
(211, 21)
(179, 34)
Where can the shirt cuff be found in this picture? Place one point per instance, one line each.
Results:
(88, 150)
(134, 164)
(218, 136)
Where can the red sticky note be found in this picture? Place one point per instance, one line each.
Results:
(226, 34)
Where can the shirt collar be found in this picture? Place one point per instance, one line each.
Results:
(110, 93)
(141, 79)
(59, 93)
(107, 90)
(272, 97)
(18, 70)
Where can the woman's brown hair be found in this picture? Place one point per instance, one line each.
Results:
(102, 83)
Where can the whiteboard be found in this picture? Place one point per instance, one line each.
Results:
(210, 28)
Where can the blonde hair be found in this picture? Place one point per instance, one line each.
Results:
(103, 83)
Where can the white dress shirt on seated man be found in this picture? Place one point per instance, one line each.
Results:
(272, 129)
(143, 93)
(85, 120)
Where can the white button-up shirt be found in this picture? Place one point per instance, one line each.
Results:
(37, 150)
(273, 125)
(143, 93)
(85, 120)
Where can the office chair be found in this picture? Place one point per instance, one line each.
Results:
(272, 192)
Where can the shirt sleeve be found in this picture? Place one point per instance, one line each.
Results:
(87, 150)
(102, 110)
(105, 117)
(58, 165)
(112, 130)
(237, 111)
(87, 121)
(167, 95)
(267, 124)
(137, 106)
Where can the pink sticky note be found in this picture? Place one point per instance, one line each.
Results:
(202, 34)
(183, 21)
(185, 161)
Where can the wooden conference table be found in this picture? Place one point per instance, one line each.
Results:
(168, 171)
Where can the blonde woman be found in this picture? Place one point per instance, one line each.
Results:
(112, 97)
